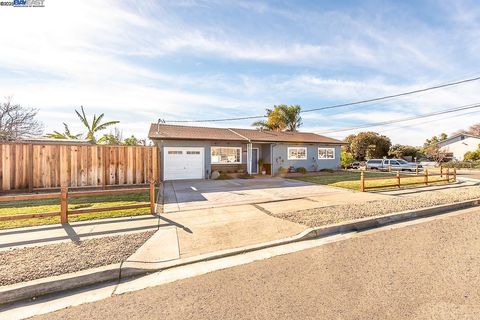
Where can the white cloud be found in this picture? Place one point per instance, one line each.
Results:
(113, 57)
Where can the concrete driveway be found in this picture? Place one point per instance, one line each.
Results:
(202, 194)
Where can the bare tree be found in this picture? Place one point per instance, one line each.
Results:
(17, 122)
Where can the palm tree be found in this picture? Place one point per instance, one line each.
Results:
(274, 122)
(95, 126)
(281, 118)
(291, 117)
(65, 135)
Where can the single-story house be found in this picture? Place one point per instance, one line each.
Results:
(456, 146)
(188, 152)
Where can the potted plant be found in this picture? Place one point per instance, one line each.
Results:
(260, 165)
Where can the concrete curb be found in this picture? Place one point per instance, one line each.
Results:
(34, 288)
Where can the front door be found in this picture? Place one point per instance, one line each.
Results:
(254, 160)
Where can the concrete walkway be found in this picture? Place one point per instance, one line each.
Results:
(216, 229)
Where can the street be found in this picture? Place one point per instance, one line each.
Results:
(423, 271)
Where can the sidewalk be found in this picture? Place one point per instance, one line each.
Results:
(75, 231)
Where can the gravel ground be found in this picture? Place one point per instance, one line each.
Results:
(26, 264)
(423, 271)
(328, 215)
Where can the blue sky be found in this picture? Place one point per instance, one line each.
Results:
(138, 61)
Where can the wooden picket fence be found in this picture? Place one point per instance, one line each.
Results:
(41, 166)
(64, 195)
(446, 176)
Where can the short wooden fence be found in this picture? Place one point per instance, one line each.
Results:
(446, 176)
(64, 195)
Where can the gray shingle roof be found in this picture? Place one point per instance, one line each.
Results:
(176, 132)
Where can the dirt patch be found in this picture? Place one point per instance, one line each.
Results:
(335, 214)
(27, 264)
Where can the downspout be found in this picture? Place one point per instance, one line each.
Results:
(249, 150)
(271, 160)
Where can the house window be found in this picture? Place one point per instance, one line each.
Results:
(297, 153)
(226, 155)
(326, 153)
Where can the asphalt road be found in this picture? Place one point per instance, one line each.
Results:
(425, 271)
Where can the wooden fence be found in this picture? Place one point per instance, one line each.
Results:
(34, 166)
(64, 195)
(444, 177)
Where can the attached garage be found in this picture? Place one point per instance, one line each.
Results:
(182, 163)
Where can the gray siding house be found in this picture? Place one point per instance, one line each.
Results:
(188, 152)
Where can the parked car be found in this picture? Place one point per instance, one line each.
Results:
(393, 164)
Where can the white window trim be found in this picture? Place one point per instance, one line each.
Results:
(318, 153)
(218, 147)
(288, 153)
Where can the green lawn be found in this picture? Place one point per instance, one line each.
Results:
(351, 179)
(50, 205)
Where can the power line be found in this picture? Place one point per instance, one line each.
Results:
(339, 105)
(376, 124)
(429, 121)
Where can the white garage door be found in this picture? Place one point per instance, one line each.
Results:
(183, 163)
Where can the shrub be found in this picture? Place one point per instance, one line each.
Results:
(301, 170)
(282, 170)
(224, 176)
(472, 155)
(327, 170)
(346, 159)
(461, 164)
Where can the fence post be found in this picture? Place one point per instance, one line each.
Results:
(30, 168)
(362, 181)
(455, 174)
(64, 205)
(441, 171)
(425, 177)
(416, 169)
(398, 178)
(105, 163)
(448, 174)
(152, 196)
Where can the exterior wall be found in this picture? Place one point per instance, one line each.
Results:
(278, 152)
(459, 147)
(230, 168)
(207, 146)
(280, 157)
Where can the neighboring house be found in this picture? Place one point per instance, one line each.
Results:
(456, 146)
(195, 152)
